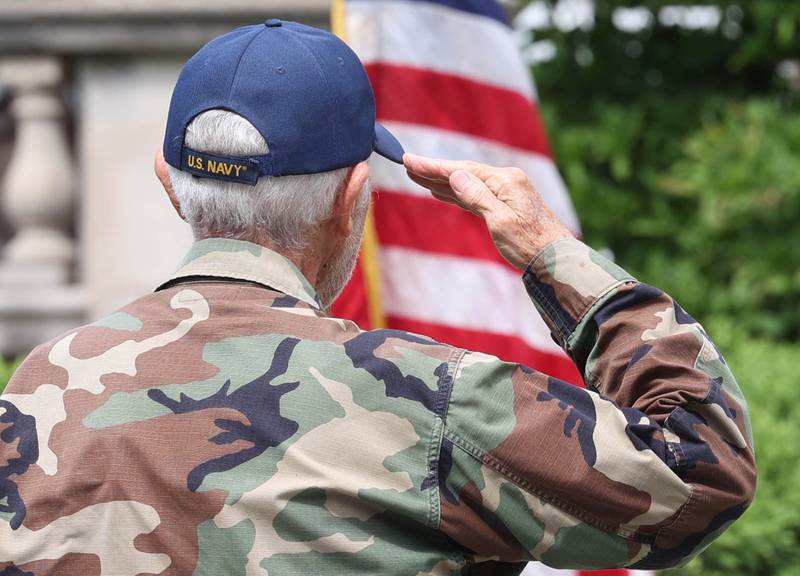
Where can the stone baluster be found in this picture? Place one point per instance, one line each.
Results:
(37, 299)
(37, 192)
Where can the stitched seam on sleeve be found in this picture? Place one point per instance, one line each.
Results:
(664, 529)
(442, 405)
(676, 454)
(434, 453)
(541, 298)
(681, 463)
(681, 513)
(597, 303)
(509, 474)
(703, 341)
(441, 408)
(555, 316)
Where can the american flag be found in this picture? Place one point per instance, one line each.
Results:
(450, 82)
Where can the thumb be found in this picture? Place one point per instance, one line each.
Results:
(471, 192)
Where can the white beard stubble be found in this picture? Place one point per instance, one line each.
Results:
(336, 272)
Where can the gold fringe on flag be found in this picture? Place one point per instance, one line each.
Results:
(371, 246)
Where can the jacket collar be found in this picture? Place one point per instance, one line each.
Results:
(239, 260)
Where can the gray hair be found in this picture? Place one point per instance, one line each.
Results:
(287, 209)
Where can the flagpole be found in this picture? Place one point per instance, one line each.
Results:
(370, 247)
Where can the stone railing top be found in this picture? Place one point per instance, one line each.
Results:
(21, 9)
(119, 26)
(26, 73)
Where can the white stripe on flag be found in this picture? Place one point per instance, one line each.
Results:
(438, 38)
(419, 139)
(462, 293)
(537, 569)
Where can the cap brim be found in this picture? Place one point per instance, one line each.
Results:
(387, 145)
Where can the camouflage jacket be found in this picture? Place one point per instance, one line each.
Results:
(225, 425)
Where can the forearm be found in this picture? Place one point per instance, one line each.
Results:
(637, 347)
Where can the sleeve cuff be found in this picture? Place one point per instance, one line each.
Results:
(566, 280)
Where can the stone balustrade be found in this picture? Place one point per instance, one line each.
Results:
(37, 297)
(38, 186)
(90, 228)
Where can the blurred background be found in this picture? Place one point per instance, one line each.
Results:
(676, 129)
(674, 124)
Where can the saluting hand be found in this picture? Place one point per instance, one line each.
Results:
(519, 221)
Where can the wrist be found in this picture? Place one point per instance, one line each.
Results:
(543, 240)
(566, 280)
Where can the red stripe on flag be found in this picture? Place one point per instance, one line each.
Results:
(449, 102)
(509, 348)
(428, 225)
(352, 303)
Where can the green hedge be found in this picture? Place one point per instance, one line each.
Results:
(6, 370)
(680, 150)
(708, 217)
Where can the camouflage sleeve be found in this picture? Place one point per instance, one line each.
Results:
(644, 468)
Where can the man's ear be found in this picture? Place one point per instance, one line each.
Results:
(347, 197)
(162, 172)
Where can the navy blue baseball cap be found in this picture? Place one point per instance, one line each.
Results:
(303, 89)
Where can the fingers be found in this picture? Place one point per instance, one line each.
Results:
(440, 170)
(518, 220)
(437, 188)
(422, 167)
(440, 191)
(456, 182)
(426, 182)
(472, 193)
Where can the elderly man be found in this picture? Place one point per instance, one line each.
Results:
(226, 425)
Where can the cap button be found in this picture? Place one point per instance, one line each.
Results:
(273, 23)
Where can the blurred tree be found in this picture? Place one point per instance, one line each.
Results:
(677, 132)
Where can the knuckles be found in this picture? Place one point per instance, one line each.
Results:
(515, 176)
